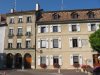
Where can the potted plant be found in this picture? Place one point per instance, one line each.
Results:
(43, 66)
(76, 65)
(86, 67)
(56, 65)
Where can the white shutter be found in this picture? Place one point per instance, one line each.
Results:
(97, 26)
(47, 60)
(51, 43)
(71, 59)
(39, 29)
(59, 42)
(46, 28)
(38, 43)
(78, 27)
(59, 28)
(70, 42)
(46, 43)
(38, 61)
(79, 42)
(89, 26)
(51, 60)
(51, 28)
(60, 59)
(80, 60)
(70, 27)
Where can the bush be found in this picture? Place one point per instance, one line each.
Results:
(43, 65)
(56, 65)
(86, 67)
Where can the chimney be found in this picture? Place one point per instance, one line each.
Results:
(37, 6)
(12, 11)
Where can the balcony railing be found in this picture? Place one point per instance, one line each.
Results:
(19, 34)
(28, 34)
(10, 35)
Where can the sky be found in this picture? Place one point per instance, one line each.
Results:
(48, 5)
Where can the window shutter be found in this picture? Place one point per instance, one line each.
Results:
(59, 42)
(70, 27)
(51, 28)
(38, 43)
(46, 43)
(46, 28)
(59, 28)
(51, 60)
(39, 29)
(38, 60)
(80, 60)
(79, 42)
(71, 59)
(78, 27)
(60, 59)
(89, 27)
(97, 26)
(70, 42)
(47, 60)
(51, 43)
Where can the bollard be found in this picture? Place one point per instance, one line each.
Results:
(4, 73)
(59, 70)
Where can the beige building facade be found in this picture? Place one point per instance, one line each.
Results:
(62, 38)
(20, 39)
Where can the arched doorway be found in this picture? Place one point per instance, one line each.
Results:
(9, 61)
(18, 61)
(27, 61)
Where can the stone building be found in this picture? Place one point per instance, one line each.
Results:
(62, 38)
(20, 39)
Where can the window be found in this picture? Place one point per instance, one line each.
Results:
(42, 60)
(29, 19)
(11, 20)
(43, 44)
(20, 20)
(55, 28)
(55, 43)
(55, 59)
(75, 60)
(91, 14)
(74, 27)
(19, 31)
(19, 42)
(55, 16)
(10, 31)
(93, 27)
(9, 45)
(19, 45)
(28, 44)
(43, 29)
(74, 15)
(75, 42)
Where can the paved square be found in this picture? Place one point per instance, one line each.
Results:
(41, 72)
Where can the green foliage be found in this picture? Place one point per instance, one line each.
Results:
(94, 40)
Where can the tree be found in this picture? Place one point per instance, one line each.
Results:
(94, 40)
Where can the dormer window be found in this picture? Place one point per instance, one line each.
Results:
(74, 15)
(91, 14)
(55, 16)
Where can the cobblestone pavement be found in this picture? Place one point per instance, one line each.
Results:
(40, 72)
